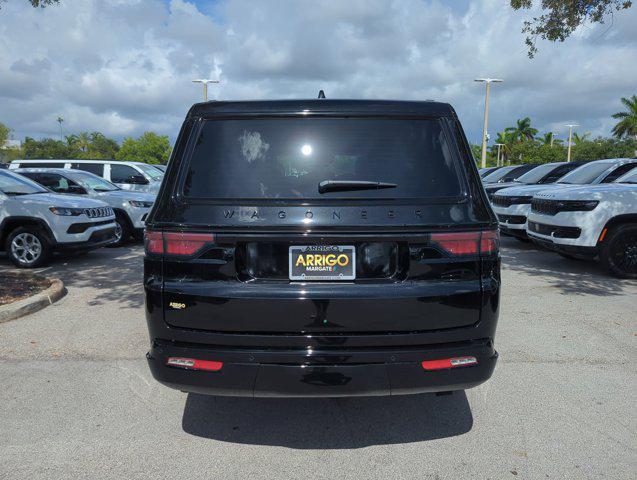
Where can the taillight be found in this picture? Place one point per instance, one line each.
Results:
(490, 242)
(153, 242)
(467, 243)
(176, 243)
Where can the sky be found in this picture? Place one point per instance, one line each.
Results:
(123, 67)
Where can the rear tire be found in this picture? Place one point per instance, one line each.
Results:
(28, 247)
(122, 230)
(619, 252)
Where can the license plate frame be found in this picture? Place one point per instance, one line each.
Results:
(330, 268)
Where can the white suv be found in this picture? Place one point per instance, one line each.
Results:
(590, 221)
(512, 205)
(34, 221)
(131, 208)
(136, 176)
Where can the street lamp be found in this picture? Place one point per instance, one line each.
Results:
(488, 82)
(205, 82)
(60, 119)
(570, 136)
(497, 163)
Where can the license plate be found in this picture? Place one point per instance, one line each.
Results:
(322, 262)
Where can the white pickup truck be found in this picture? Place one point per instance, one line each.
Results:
(590, 221)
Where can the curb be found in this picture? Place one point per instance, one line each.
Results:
(32, 304)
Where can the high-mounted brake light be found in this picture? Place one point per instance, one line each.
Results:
(449, 363)
(176, 243)
(194, 364)
(467, 243)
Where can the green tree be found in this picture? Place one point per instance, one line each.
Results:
(579, 139)
(560, 18)
(91, 145)
(102, 147)
(523, 130)
(549, 139)
(600, 148)
(627, 125)
(37, 3)
(45, 148)
(536, 152)
(4, 134)
(149, 148)
(506, 140)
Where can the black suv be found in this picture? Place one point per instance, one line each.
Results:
(321, 248)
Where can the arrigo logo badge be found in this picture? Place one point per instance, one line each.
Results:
(322, 262)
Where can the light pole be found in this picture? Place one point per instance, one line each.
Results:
(205, 82)
(60, 119)
(487, 81)
(497, 163)
(570, 136)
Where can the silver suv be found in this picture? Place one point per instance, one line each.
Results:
(131, 208)
(34, 222)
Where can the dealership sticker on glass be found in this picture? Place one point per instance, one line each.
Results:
(322, 262)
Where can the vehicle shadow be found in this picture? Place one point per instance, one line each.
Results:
(328, 423)
(114, 274)
(572, 277)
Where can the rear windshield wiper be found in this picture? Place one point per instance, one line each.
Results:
(346, 185)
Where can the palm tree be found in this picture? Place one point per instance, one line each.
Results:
(627, 126)
(579, 139)
(71, 140)
(549, 139)
(522, 131)
(506, 140)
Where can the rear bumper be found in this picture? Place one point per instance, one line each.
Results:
(330, 373)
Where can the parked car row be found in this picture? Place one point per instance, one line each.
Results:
(63, 205)
(588, 213)
(137, 176)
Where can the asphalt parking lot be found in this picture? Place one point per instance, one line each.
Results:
(77, 400)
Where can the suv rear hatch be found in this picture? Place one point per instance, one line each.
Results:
(324, 225)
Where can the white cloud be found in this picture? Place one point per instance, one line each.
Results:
(123, 67)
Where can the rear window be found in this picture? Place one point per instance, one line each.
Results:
(287, 158)
(95, 168)
(41, 165)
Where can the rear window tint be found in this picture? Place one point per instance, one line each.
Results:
(95, 168)
(286, 158)
(42, 165)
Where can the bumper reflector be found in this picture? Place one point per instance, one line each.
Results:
(194, 364)
(449, 363)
